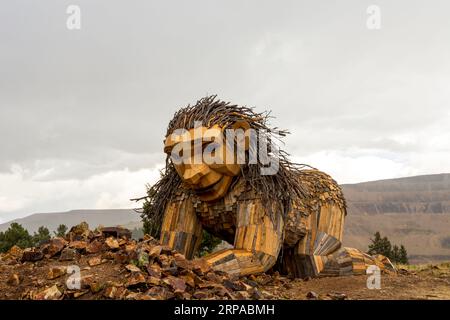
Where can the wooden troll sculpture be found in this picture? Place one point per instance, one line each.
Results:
(291, 220)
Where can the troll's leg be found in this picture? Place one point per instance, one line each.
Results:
(312, 254)
(181, 229)
(256, 245)
(319, 252)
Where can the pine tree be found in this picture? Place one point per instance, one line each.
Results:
(383, 246)
(395, 256)
(374, 248)
(403, 255)
(209, 242)
(15, 235)
(41, 236)
(61, 231)
(380, 245)
(386, 248)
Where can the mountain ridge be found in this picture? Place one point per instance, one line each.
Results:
(93, 217)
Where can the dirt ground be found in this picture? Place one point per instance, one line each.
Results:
(393, 287)
(429, 282)
(121, 268)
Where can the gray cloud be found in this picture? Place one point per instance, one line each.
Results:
(75, 104)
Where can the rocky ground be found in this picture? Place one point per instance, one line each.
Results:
(111, 266)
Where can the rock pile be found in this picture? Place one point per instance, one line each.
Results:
(107, 264)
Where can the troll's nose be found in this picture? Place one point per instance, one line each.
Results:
(193, 173)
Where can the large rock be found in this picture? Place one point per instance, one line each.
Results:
(69, 254)
(121, 258)
(97, 286)
(136, 279)
(95, 261)
(177, 284)
(52, 293)
(53, 247)
(32, 255)
(95, 246)
(56, 272)
(117, 232)
(112, 243)
(115, 292)
(78, 244)
(79, 232)
(15, 252)
(132, 268)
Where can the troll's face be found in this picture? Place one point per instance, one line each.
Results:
(207, 158)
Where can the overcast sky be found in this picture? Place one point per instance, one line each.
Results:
(83, 112)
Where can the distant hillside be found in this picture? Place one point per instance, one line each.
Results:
(109, 217)
(420, 194)
(413, 211)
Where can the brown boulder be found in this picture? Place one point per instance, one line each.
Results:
(130, 247)
(181, 262)
(189, 279)
(164, 261)
(200, 267)
(95, 246)
(155, 251)
(115, 292)
(154, 281)
(79, 245)
(132, 268)
(337, 296)
(95, 261)
(32, 254)
(263, 279)
(79, 232)
(242, 295)
(234, 285)
(15, 252)
(177, 284)
(96, 286)
(117, 232)
(201, 294)
(256, 294)
(121, 258)
(56, 272)
(86, 281)
(109, 255)
(112, 243)
(52, 293)
(160, 293)
(69, 254)
(312, 295)
(136, 279)
(154, 270)
(53, 247)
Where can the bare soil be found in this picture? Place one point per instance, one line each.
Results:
(430, 282)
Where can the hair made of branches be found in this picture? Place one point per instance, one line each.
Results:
(283, 187)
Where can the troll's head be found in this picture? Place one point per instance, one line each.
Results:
(211, 144)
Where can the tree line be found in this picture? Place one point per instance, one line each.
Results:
(382, 245)
(16, 235)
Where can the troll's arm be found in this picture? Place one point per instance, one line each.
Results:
(257, 242)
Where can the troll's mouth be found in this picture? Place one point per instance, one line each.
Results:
(208, 188)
